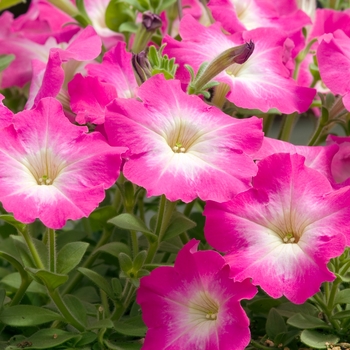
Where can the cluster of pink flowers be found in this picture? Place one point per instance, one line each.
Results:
(276, 211)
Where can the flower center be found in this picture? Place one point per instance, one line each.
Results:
(182, 135)
(290, 227)
(203, 308)
(44, 166)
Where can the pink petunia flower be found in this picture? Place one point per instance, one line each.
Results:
(333, 56)
(283, 232)
(341, 160)
(262, 82)
(51, 169)
(181, 147)
(241, 15)
(194, 305)
(113, 77)
(316, 157)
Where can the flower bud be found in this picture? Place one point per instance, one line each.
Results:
(151, 21)
(141, 66)
(238, 54)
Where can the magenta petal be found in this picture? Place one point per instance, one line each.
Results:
(283, 232)
(190, 148)
(194, 304)
(89, 97)
(51, 169)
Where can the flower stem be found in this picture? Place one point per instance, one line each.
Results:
(62, 307)
(52, 249)
(35, 255)
(260, 346)
(288, 126)
(65, 6)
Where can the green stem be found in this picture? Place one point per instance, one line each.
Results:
(141, 39)
(88, 262)
(62, 307)
(104, 301)
(300, 58)
(35, 255)
(321, 304)
(188, 208)
(21, 291)
(65, 6)
(333, 293)
(288, 126)
(160, 214)
(52, 249)
(316, 134)
(140, 205)
(260, 346)
(134, 243)
(344, 268)
(87, 226)
(268, 120)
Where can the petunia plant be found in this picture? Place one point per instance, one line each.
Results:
(175, 175)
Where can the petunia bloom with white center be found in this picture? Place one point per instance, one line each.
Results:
(181, 147)
(283, 232)
(194, 305)
(51, 169)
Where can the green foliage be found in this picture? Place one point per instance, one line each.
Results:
(5, 4)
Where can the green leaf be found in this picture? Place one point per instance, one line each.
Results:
(13, 280)
(50, 279)
(117, 287)
(101, 215)
(262, 306)
(76, 307)
(139, 260)
(86, 338)
(64, 237)
(49, 338)
(125, 262)
(128, 27)
(11, 220)
(317, 340)
(179, 223)
(117, 13)
(164, 5)
(289, 309)
(81, 7)
(342, 314)
(133, 326)
(5, 4)
(114, 249)
(306, 322)
(100, 281)
(275, 324)
(27, 316)
(136, 4)
(131, 222)
(342, 297)
(5, 60)
(123, 345)
(70, 256)
(106, 323)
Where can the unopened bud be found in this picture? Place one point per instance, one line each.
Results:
(238, 54)
(151, 21)
(141, 66)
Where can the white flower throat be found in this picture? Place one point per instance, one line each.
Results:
(182, 135)
(44, 166)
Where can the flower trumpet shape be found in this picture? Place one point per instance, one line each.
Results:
(194, 305)
(51, 169)
(181, 147)
(283, 232)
